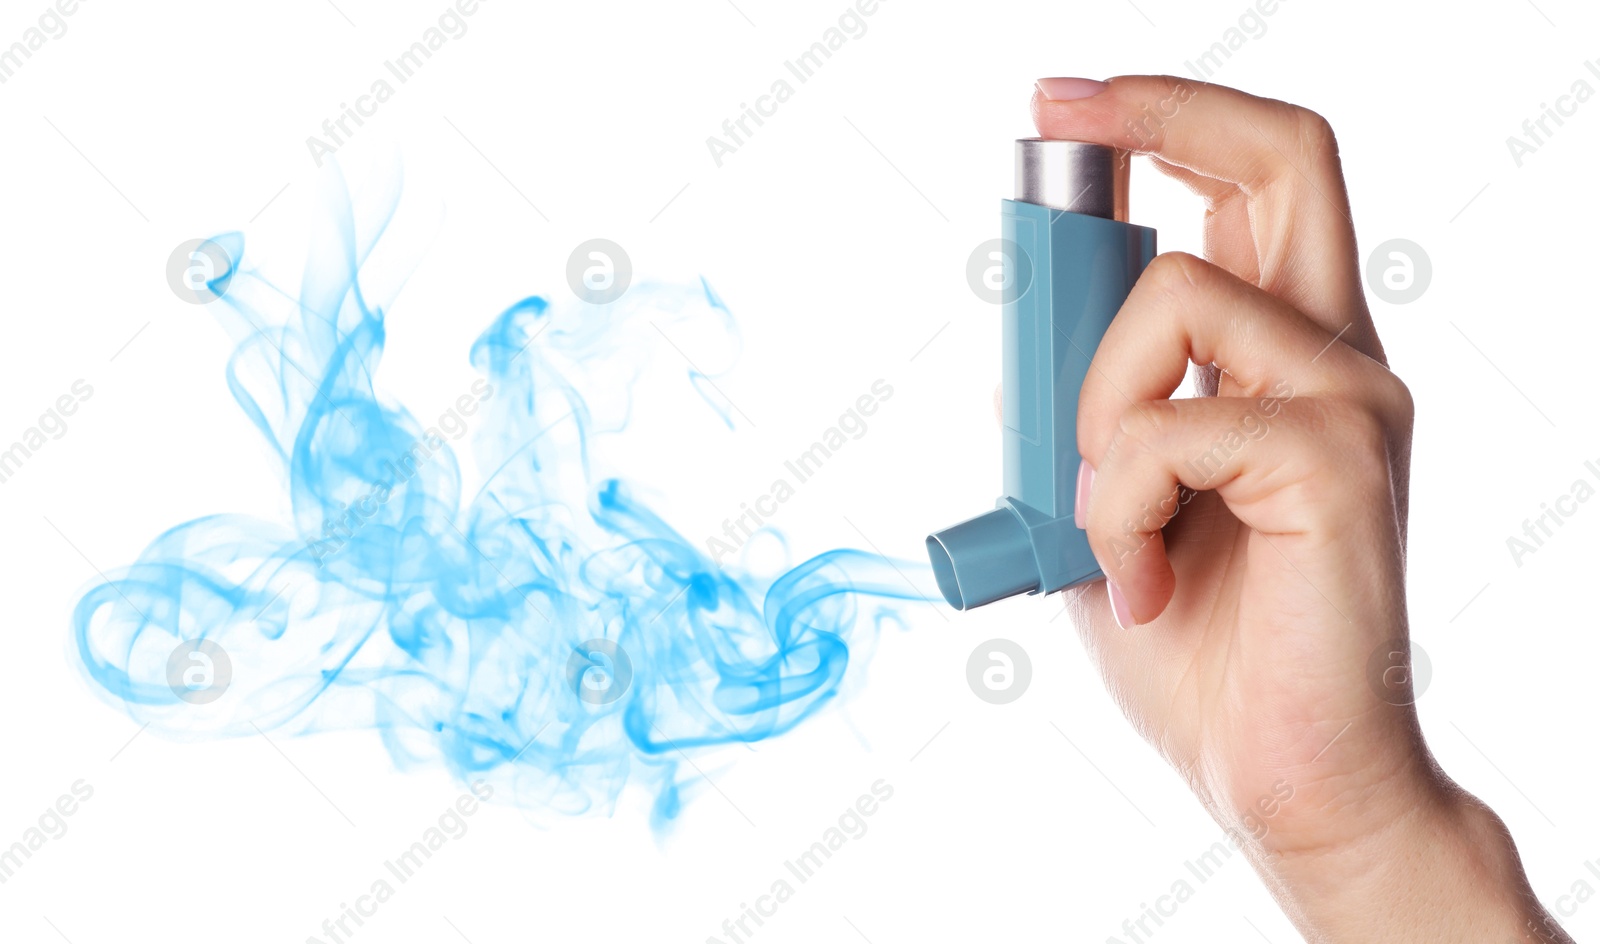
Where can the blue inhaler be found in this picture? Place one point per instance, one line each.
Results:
(1070, 258)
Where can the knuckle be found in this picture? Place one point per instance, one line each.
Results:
(1178, 272)
(1140, 425)
(1388, 395)
(1397, 396)
(1313, 132)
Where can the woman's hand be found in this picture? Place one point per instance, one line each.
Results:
(1254, 538)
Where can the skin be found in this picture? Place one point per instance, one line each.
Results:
(1255, 611)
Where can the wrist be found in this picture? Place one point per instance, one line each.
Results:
(1443, 867)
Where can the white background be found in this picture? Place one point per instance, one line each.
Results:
(839, 236)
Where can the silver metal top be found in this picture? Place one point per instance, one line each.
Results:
(1073, 176)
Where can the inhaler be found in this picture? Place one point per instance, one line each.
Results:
(1069, 260)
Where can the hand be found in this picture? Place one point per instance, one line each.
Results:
(1253, 538)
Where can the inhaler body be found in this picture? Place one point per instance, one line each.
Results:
(1070, 261)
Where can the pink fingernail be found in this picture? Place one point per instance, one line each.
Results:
(1119, 606)
(1068, 89)
(1080, 504)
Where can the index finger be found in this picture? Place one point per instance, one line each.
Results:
(1280, 157)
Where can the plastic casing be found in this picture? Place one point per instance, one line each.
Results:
(1069, 275)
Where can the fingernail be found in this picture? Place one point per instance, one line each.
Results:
(1068, 89)
(1080, 504)
(1119, 606)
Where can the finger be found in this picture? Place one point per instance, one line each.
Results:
(1215, 131)
(1213, 191)
(1185, 310)
(1229, 237)
(1286, 468)
(1282, 157)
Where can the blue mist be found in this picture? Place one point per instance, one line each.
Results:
(551, 630)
